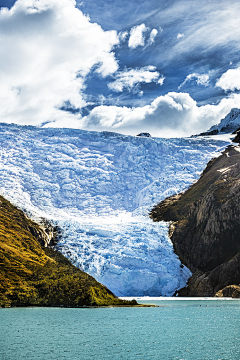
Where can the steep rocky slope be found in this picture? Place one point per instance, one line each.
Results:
(31, 274)
(206, 225)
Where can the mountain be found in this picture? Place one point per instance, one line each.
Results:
(227, 125)
(205, 229)
(98, 189)
(32, 275)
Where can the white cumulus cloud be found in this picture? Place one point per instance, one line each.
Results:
(179, 36)
(137, 37)
(131, 78)
(166, 115)
(171, 115)
(123, 36)
(47, 47)
(230, 80)
(201, 79)
(152, 37)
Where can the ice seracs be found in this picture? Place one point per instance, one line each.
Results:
(99, 188)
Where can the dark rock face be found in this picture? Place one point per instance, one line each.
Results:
(47, 234)
(213, 132)
(237, 137)
(229, 291)
(206, 227)
(144, 134)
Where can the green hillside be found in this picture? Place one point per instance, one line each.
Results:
(32, 275)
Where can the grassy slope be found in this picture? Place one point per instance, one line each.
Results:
(31, 275)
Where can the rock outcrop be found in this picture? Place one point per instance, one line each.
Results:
(206, 226)
(229, 291)
(143, 134)
(46, 233)
(236, 139)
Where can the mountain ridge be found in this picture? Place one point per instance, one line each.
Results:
(227, 125)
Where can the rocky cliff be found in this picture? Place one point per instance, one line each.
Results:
(32, 274)
(205, 227)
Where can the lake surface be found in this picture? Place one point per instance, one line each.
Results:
(178, 329)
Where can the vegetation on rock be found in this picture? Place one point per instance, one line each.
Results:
(32, 275)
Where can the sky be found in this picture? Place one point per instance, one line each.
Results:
(170, 68)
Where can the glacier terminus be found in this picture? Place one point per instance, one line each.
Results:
(98, 188)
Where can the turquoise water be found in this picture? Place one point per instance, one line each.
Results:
(175, 330)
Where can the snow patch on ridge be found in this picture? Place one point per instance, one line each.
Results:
(230, 123)
(99, 188)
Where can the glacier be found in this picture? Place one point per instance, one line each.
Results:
(98, 188)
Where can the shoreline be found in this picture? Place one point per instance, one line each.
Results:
(139, 305)
(172, 298)
(80, 307)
